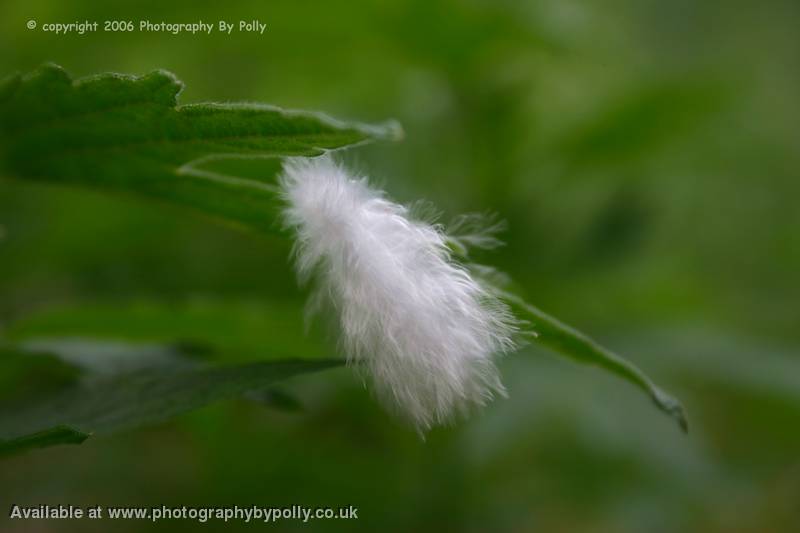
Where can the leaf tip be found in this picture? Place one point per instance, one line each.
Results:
(671, 407)
(60, 434)
(391, 130)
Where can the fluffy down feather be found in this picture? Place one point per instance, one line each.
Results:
(426, 331)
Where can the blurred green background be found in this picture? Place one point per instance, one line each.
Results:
(646, 156)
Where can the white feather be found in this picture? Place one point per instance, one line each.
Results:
(426, 331)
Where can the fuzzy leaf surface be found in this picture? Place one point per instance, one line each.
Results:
(129, 134)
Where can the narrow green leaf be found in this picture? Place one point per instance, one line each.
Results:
(138, 399)
(42, 439)
(577, 346)
(129, 134)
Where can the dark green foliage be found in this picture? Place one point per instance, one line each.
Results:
(129, 134)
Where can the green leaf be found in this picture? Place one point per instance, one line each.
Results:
(577, 346)
(97, 358)
(25, 372)
(42, 439)
(128, 134)
(137, 399)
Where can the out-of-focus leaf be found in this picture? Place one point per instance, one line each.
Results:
(42, 439)
(25, 371)
(128, 134)
(141, 398)
(100, 358)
